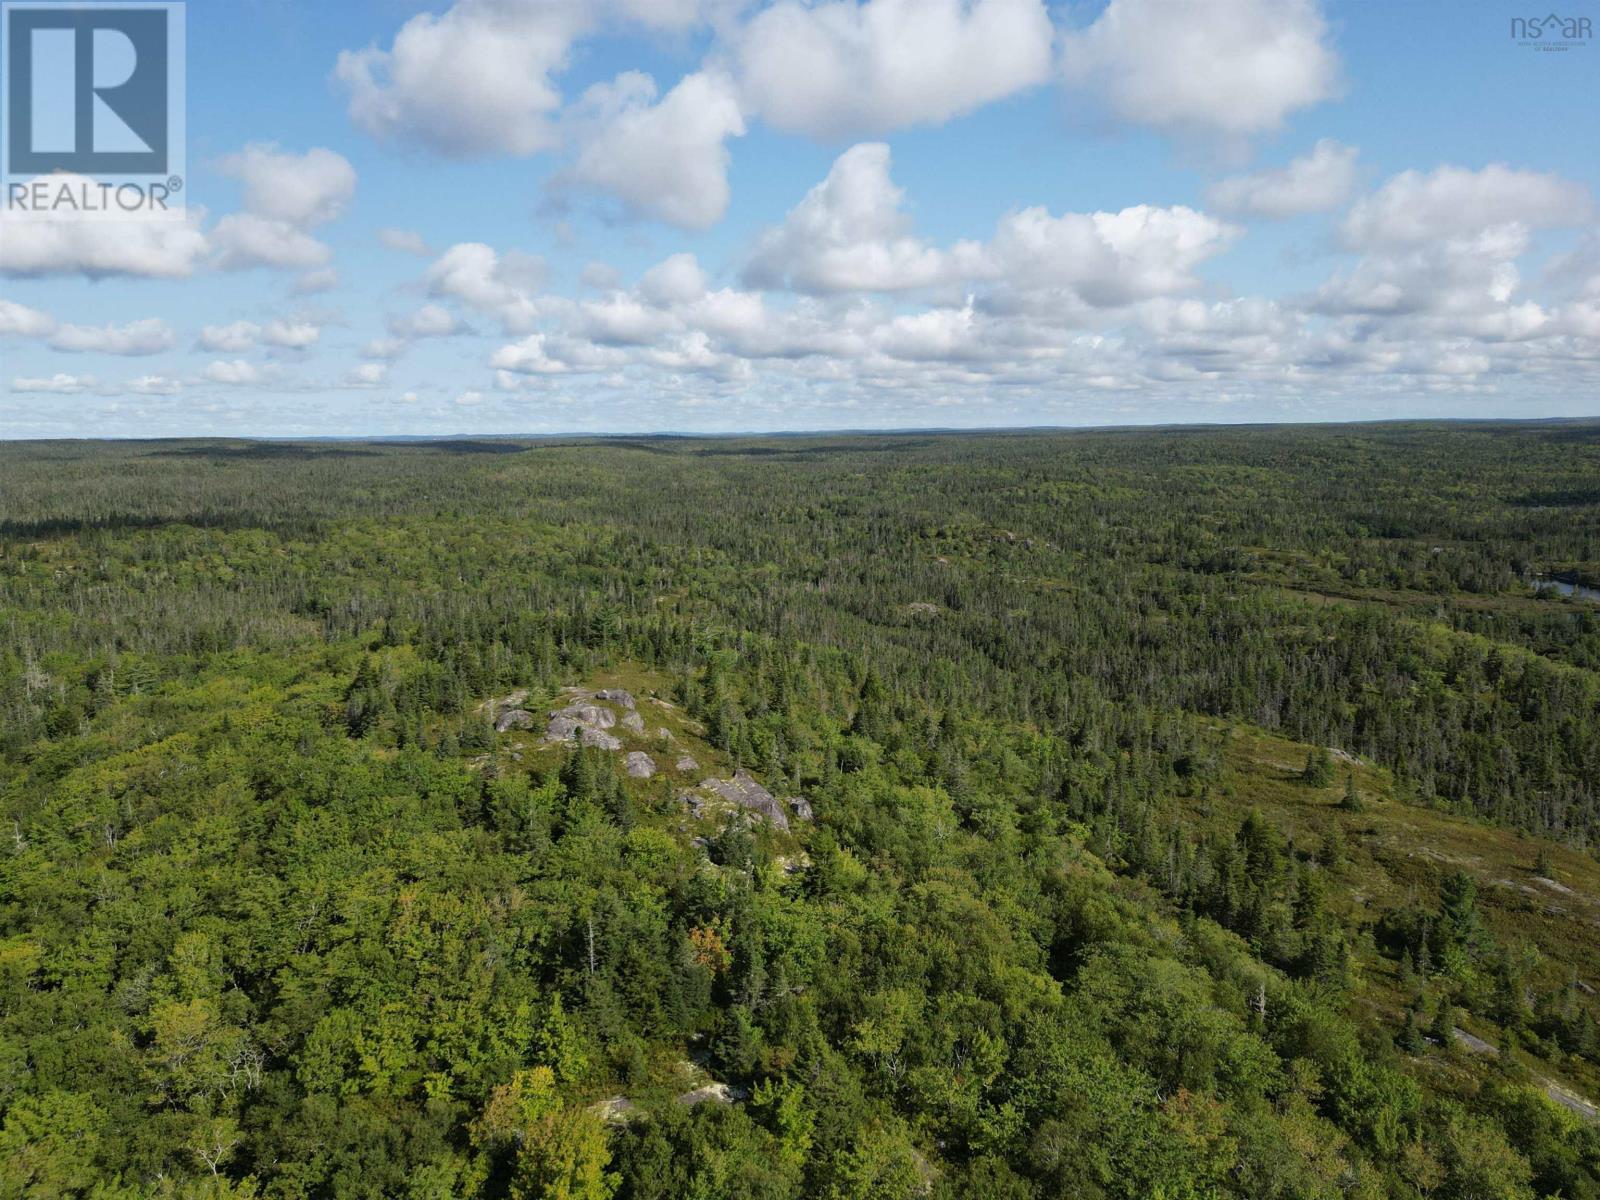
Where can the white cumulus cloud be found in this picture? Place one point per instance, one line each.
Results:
(236, 373)
(17, 320)
(233, 338)
(1317, 182)
(60, 384)
(135, 339)
(1232, 68)
(1107, 259)
(300, 189)
(367, 375)
(842, 68)
(666, 159)
(157, 249)
(239, 336)
(155, 385)
(852, 233)
(429, 321)
(291, 335)
(285, 196)
(1416, 208)
(474, 80)
(243, 240)
(677, 279)
(478, 276)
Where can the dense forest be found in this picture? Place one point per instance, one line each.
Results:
(1168, 814)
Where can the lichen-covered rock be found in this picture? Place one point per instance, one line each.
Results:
(744, 791)
(633, 723)
(598, 738)
(616, 696)
(618, 1110)
(515, 700)
(639, 765)
(515, 718)
(561, 729)
(592, 715)
(687, 764)
(801, 807)
(712, 1093)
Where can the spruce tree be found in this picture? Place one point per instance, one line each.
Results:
(1411, 1040)
(1544, 866)
(1443, 1030)
(1352, 798)
(1318, 772)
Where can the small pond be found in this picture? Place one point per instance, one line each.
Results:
(1564, 588)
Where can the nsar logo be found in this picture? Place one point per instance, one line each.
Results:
(1551, 31)
(94, 109)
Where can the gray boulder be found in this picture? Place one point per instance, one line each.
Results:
(639, 765)
(633, 723)
(618, 1110)
(598, 738)
(712, 1093)
(561, 729)
(744, 791)
(616, 696)
(687, 764)
(801, 807)
(589, 714)
(514, 718)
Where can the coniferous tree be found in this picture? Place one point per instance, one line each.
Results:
(1351, 801)
(1318, 771)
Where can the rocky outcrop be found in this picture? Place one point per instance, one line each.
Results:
(597, 738)
(561, 729)
(515, 718)
(584, 721)
(515, 700)
(588, 716)
(713, 1093)
(801, 807)
(592, 715)
(743, 791)
(618, 1110)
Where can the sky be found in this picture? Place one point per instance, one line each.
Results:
(562, 216)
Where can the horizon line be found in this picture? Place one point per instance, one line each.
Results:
(843, 431)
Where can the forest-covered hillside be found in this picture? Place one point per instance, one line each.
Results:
(1170, 814)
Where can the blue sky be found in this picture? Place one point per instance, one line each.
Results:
(525, 216)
